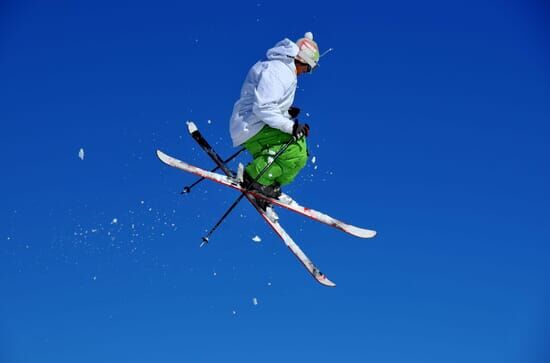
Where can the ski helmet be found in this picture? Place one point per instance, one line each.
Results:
(308, 52)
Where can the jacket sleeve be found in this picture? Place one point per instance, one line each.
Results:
(267, 96)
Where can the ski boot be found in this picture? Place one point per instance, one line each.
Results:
(271, 191)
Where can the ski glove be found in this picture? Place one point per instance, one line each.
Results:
(293, 112)
(299, 130)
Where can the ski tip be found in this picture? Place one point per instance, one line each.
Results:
(162, 156)
(192, 127)
(167, 159)
(321, 277)
(360, 232)
(323, 280)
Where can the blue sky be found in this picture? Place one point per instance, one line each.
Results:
(429, 123)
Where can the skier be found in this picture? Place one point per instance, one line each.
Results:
(264, 119)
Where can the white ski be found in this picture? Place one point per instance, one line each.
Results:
(271, 219)
(284, 200)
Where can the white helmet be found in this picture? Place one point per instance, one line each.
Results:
(308, 52)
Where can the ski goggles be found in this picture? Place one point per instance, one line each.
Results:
(309, 68)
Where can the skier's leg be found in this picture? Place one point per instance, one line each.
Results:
(258, 164)
(263, 147)
(292, 161)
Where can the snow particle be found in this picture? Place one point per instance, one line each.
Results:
(209, 122)
(94, 278)
(255, 301)
(314, 159)
(81, 154)
(114, 221)
(234, 312)
(257, 239)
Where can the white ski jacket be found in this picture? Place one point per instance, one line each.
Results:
(266, 95)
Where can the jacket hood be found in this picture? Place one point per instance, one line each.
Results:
(285, 50)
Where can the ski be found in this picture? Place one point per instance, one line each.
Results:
(269, 215)
(284, 200)
(272, 220)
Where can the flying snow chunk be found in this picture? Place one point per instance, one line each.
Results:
(314, 159)
(114, 221)
(234, 312)
(257, 239)
(209, 122)
(81, 154)
(255, 301)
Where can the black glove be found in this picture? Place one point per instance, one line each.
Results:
(293, 112)
(299, 130)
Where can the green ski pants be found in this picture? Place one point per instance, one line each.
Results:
(264, 145)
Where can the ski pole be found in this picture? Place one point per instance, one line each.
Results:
(187, 189)
(206, 238)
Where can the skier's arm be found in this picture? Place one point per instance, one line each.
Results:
(267, 95)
